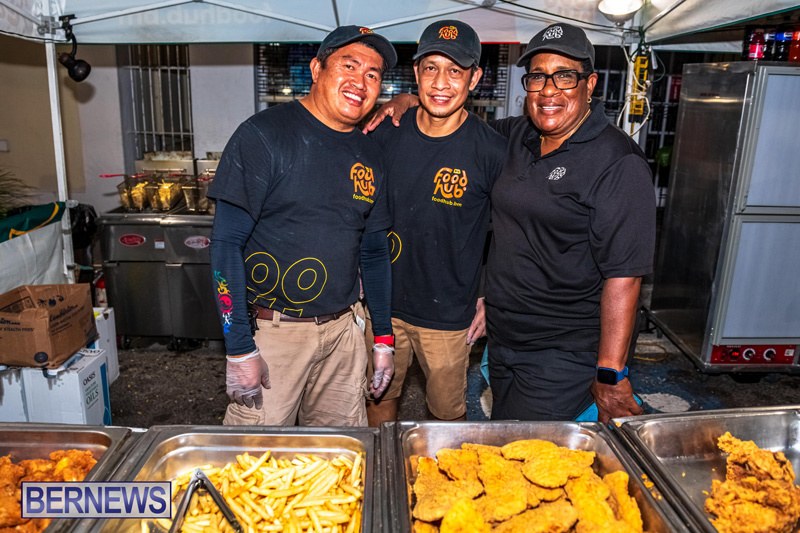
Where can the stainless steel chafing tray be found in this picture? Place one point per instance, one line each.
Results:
(680, 452)
(401, 442)
(167, 451)
(36, 441)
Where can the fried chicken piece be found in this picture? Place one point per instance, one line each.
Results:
(589, 496)
(463, 517)
(553, 468)
(556, 517)
(525, 450)
(505, 487)
(484, 447)
(461, 466)
(424, 527)
(72, 465)
(750, 505)
(547, 495)
(745, 459)
(436, 493)
(622, 503)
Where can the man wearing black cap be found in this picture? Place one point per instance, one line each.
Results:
(442, 162)
(573, 216)
(301, 202)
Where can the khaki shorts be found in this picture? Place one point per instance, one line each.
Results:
(316, 373)
(444, 358)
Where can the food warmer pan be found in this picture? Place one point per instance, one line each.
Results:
(165, 452)
(681, 455)
(36, 441)
(402, 442)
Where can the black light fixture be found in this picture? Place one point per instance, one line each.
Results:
(78, 69)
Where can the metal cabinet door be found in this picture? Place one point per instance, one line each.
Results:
(192, 305)
(138, 293)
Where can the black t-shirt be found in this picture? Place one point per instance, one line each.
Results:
(313, 192)
(562, 224)
(439, 195)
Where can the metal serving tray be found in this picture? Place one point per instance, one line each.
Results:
(164, 452)
(36, 441)
(401, 441)
(680, 452)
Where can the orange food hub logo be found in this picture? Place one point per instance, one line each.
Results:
(450, 183)
(363, 182)
(448, 32)
(366, 30)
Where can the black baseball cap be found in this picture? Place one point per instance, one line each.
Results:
(563, 38)
(344, 35)
(453, 38)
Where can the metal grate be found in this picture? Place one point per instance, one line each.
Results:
(157, 77)
(282, 73)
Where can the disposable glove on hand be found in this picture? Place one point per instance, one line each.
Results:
(244, 377)
(383, 363)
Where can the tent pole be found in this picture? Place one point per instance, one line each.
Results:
(61, 167)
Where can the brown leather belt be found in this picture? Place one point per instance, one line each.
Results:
(267, 314)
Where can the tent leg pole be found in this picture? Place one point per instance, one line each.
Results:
(60, 160)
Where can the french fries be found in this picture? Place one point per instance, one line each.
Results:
(307, 494)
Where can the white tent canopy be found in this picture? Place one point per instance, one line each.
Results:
(195, 21)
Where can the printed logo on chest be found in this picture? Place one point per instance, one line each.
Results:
(363, 183)
(557, 173)
(449, 185)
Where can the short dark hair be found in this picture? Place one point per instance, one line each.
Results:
(586, 66)
(323, 57)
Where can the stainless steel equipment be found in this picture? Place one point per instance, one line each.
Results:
(680, 452)
(134, 266)
(403, 441)
(726, 289)
(36, 441)
(167, 451)
(193, 309)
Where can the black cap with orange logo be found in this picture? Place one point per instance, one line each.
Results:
(453, 38)
(344, 35)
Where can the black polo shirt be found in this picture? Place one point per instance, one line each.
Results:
(563, 224)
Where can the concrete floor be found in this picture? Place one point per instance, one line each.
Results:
(157, 386)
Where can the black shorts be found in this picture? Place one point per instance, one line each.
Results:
(540, 385)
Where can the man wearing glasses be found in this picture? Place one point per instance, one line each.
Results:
(573, 215)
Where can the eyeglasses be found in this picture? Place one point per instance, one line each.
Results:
(562, 79)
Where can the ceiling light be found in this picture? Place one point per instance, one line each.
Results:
(619, 11)
(78, 69)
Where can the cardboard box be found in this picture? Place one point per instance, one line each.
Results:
(44, 325)
(77, 394)
(12, 399)
(107, 339)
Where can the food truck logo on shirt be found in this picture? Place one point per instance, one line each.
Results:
(448, 32)
(450, 184)
(363, 183)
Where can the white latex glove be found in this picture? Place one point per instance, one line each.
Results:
(383, 363)
(244, 377)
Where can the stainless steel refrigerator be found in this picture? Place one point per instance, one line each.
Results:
(727, 278)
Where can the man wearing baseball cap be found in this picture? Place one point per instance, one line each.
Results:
(301, 203)
(573, 215)
(442, 162)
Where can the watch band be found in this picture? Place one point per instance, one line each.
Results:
(609, 376)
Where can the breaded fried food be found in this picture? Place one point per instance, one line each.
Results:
(505, 487)
(547, 495)
(622, 503)
(435, 492)
(72, 465)
(553, 468)
(758, 494)
(557, 517)
(424, 527)
(463, 517)
(745, 459)
(484, 447)
(461, 466)
(524, 450)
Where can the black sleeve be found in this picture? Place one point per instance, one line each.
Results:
(376, 274)
(503, 125)
(232, 227)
